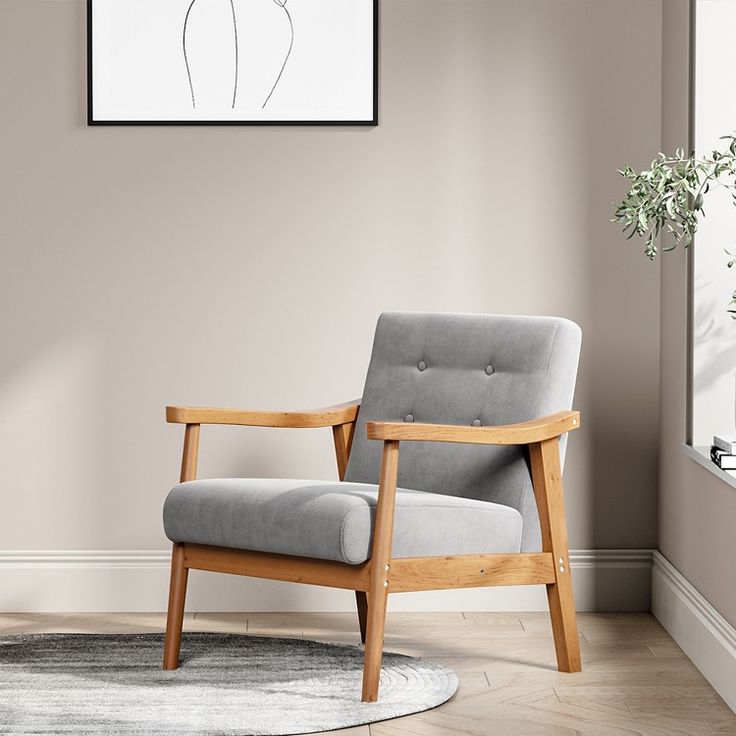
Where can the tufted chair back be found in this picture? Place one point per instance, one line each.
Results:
(467, 369)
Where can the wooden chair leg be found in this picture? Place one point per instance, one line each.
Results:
(361, 600)
(179, 573)
(564, 626)
(376, 624)
(175, 617)
(547, 478)
(380, 571)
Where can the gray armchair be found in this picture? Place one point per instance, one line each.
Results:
(477, 404)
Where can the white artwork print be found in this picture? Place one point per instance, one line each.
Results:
(232, 60)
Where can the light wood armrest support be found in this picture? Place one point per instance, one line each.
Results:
(330, 416)
(523, 433)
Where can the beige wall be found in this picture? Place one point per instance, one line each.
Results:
(697, 510)
(247, 266)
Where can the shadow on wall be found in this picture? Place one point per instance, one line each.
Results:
(620, 362)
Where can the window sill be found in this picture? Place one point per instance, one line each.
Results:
(701, 455)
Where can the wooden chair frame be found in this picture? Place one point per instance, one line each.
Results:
(373, 580)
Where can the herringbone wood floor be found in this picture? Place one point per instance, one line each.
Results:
(635, 679)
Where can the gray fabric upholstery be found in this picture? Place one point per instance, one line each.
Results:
(466, 369)
(333, 521)
(474, 370)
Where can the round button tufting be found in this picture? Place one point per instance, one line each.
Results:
(422, 366)
(490, 370)
(477, 422)
(409, 418)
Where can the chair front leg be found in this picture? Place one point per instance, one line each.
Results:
(547, 480)
(343, 437)
(175, 616)
(379, 571)
(180, 573)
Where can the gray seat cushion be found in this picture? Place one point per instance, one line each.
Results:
(333, 521)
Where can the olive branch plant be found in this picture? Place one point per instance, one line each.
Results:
(664, 203)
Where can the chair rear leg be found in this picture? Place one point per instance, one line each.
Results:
(175, 617)
(376, 623)
(361, 599)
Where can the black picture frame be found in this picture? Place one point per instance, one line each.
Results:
(91, 121)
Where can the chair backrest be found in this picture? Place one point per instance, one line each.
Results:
(466, 369)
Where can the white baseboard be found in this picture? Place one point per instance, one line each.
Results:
(137, 581)
(702, 633)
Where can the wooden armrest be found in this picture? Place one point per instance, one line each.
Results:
(523, 433)
(330, 416)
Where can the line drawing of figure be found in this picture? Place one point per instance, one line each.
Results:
(282, 5)
(185, 29)
(196, 89)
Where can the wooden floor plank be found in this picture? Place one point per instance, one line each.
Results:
(635, 679)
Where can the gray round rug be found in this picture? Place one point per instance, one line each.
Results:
(227, 685)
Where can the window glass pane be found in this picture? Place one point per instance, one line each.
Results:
(714, 331)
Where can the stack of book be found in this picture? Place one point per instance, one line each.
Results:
(723, 451)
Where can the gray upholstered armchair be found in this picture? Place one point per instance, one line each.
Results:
(477, 404)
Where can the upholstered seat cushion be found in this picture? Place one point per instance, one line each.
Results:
(333, 521)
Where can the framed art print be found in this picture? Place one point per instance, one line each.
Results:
(232, 62)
